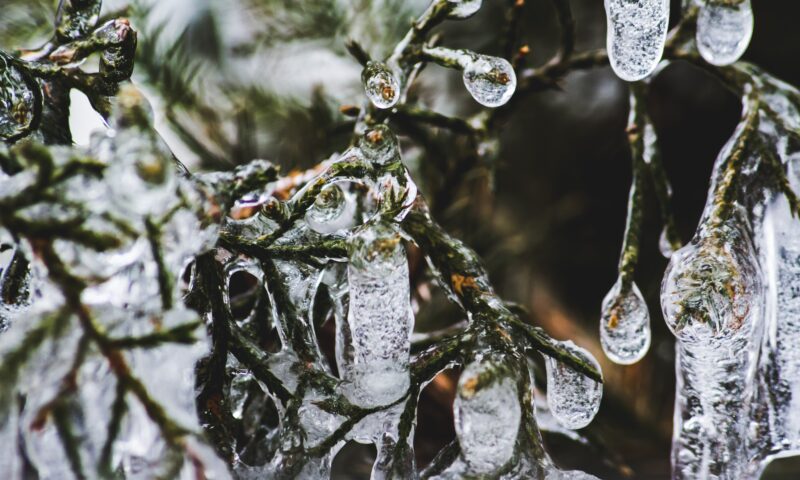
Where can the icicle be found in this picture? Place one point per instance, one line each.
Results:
(463, 8)
(381, 85)
(724, 29)
(637, 31)
(625, 324)
(574, 399)
(487, 415)
(490, 80)
(18, 100)
(380, 316)
(711, 298)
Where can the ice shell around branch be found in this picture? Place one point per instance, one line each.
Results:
(574, 398)
(724, 31)
(487, 415)
(463, 8)
(625, 324)
(637, 31)
(381, 85)
(380, 318)
(711, 285)
(490, 80)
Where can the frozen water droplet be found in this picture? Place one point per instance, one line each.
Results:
(664, 245)
(380, 318)
(710, 286)
(724, 31)
(381, 85)
(463, 8)
(490, 80)
(636, 34)
(573, 397)
(380, 145)
(487, 415)
(17, 101)
(332, 210)
(625, 324)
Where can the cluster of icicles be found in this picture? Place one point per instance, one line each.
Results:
(637, 32)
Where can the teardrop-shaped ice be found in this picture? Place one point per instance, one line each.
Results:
(637, 30)
(724, 29)
(574, 398)
(490, 80)
(332, 210)
(487, 415)
(710, 286)
(17, 101)
(463, 8)
(380, 84)
(380, 318)
(625, 324)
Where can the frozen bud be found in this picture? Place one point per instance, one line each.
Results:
(487, 415)
(18, 101)
(379, 145)
(332, 211)
(381, 85)
(711, 285)
(490, 80)
(636, 33)
(625, 324)
(574, 398)
(724, 29)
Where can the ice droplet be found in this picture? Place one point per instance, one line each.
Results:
(724, 30)
(380, 146)
(330, 210)
(380, 84)
(380, 316)
(17, 99)
(490, 80)
(463, 8)
(574, 398)
(487, 415)
(636, 34)
(625, 324)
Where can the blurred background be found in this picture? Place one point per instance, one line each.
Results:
(233, 80)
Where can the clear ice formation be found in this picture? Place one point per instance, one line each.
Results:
(724, 29)
(122, 297)
(464, 8)
(730, 297)
(17, 100)
(636, 33)
(574, 398)
(379, 318)
(490, 80)
(624, 324)
(381, 85)
(487, 415)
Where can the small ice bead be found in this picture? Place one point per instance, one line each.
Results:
(379, 145)
(625, 324)
(380, 84)
(487, 416)
(712, 288)
(724, 31)
(574, 398)
(490, 80)
(463, 8)
(637, 31)
(328, 208)
(17, 101)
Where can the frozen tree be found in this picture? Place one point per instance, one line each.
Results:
(173, 306)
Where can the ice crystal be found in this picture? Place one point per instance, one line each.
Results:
(490, 80)
(574, 398)
(637, 30)
(724, 30)
(625, 324)
(381, 85)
